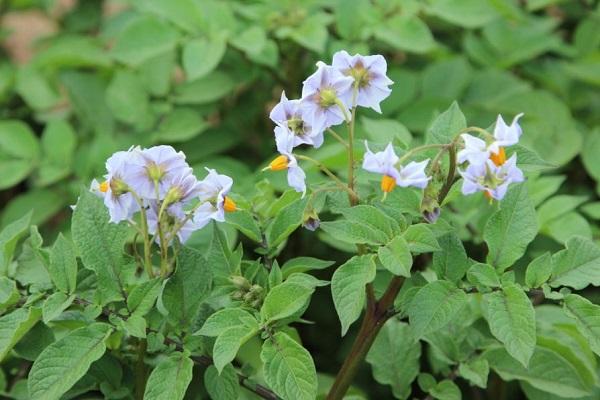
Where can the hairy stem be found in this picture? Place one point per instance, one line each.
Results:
(140, 370)
(328, 172)
(147, 243)
(353, 198)
(337, 137)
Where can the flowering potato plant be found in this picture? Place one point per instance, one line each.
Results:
(131, 307)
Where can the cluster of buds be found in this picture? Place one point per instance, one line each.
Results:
(328, 96)
(159, 182)
(488, 169)
(250, 295)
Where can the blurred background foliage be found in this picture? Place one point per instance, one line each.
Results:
(82, 79)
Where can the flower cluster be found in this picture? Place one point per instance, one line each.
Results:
(159, 182)
(328, 96)
(488, 169)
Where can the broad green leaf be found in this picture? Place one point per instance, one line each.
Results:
(434, 306)
(510, 229)
(223, 386)
(34, 88)
(308, 281)
(135, 325)
(222, 260)
(187, 287)
(63, 265)
(539, 271)
(373, 218)
(251, 41)
(394, 357)
(445, 390)
(170, 379)
(19, 152)
(143, 296)
(243, 221)
(447, 125)
(464, 13)
(58, 144)
(143, 39)
(229, 342)
(9, 294)
(528, 160)
(348, 288)
(350, 16)
(435, 78)
(312, 32)
(206, 89)
(65, 361)
(587, 317)
(9, 237)
(451, 262)
(406, 33)
(353, 232)
(383, 131)
(54, 306)
(396, 257)
(511, 318)
(421, 239)
(288, 368)
(284, 300)
(589, 153)
(201, 56)
(186, 14)
(558, 206)
(483, 275)
(227, 318)
(100, 244)
(547, 371)
(14, 326)
(475, 371)
(34, 342)
(180, 125)
(303, 264)
(286, 222)
(156, 73)
(577, 266)
(127, 98)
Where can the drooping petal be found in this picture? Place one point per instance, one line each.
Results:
(382, 162)
(297, 178)
(475, 150)
(413, 174)
(507, 135)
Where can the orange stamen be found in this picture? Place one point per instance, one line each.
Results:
(103, 187)
(388, 183)
(229, 205)
(488, 196)
(498, 158)
(278, 164)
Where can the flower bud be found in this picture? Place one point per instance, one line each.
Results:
(240, 282)
(311, 220)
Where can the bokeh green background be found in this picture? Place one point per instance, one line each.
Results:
(82, 79)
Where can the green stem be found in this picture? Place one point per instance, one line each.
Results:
(418, 149)
(353, 198)
(338, 137)
(147, 243)
(140, 370)
(328, 172)
(450, 177)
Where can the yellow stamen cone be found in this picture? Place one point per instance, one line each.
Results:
(103, 187)
(498, 158)
(278, 164)
(229, 205)
(387, 183)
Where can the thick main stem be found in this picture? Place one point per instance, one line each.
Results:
(374, 319)
(140, 370)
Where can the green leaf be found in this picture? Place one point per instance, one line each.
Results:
(421, 239)
(445, 390)
(558, 206)
(229, 342)
(350, 16)
(475, 371)
(187, 287)
(383, 131)
(547, 371)
(63, 265)
(142, 297)
(406, 33)
(54, 306)
(528, 160)
(135, 325)
(14, 326)
(9, 294)
(227, 318)
(303, 264)
(285, 300)
(447, 125)
(224, 386)
(9, 237)
(66, 361)
(34, 88)
(368, 216)
(348, 288)
(287, 221)
(288, 368)
(127, 98)
(170, 379)
(312, 32)
(511, 318)
(483, 275)
(451, 262)
(207, 89)
(587, 317)
(58, 144)
(396, 257)
(394, 357)
(464, 13)
(434, 306)
(201, 56)
(100, 244)
(578, 265)
(243, 221)
(180, 125)
(539, 271)
(143, 39)
(19, 152)
(510, 229)
(251, 41)
(185, 14)
(435, 78)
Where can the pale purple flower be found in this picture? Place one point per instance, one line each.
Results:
(295, 175)
(294, 116)
(183, 188)
(118, 198)
(477, 151)
(383, 162)
(325, 93)
(413, 174)
(491, 179)
(212, 192)
(369, 74)
(156, 166)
